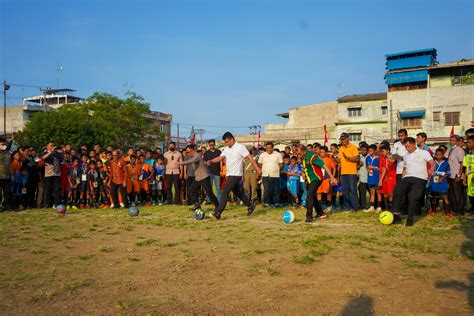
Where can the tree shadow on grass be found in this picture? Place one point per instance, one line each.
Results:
(359, 306)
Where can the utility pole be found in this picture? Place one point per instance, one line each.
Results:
(200, 131)
(5, 88)
(177, 133)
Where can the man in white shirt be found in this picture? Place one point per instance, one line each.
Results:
(271, 163)
(414, 178)
(456, 189)
(398, 151)
(234, 155)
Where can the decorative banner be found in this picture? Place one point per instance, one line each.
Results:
(259, 136)
(326, 140)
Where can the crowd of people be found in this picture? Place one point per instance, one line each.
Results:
(407, 177)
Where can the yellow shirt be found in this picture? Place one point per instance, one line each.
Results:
(348, 167)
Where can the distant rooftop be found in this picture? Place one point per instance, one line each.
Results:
(426, 51)
(363, 97)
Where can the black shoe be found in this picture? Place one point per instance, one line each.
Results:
(396, 218)
(195, 207)
(215, 215)
(251, 208)
(309, 220)
(409, 223)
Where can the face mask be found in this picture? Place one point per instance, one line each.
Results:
(171, 148)
(3, 147)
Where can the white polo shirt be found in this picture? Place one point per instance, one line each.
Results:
(415, 164)
(234, 158)
(270, 164)
(400, 150)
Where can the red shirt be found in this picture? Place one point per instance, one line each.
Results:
(118, 171)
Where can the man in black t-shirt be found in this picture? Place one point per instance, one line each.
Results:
(215, 168)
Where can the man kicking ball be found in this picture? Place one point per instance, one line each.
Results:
(202, 178)
(234, 155)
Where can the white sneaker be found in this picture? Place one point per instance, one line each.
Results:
(379, 209)
(112, 205)
(122, 205)
(370, 209)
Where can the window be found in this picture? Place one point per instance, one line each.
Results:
(355, 112)
(451, 118)
(355, 137)
(384, 110)
(412, 122)
(437, 116)
(162, 128)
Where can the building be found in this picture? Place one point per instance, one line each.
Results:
(424, 95)
(162, 123)
(363, 116)
(305, 124)
(53, 98)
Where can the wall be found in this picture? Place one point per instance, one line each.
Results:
(15, 118)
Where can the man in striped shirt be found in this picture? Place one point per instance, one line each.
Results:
(314, 171)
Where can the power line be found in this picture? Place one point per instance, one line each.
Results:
(214, 126)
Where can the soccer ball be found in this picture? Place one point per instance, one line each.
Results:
(288, 217)
(386, 218)
(133, 211)
(61, 209)
(199, 214)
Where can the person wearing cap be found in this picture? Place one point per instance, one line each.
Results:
(456, 188)
(5, 173)
(349, 159)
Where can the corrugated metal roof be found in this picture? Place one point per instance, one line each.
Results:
(412, 52)
(363, 97)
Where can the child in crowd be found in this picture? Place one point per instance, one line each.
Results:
(84, 196)
(362, 172)
(146, 173)
(294, 174)
(373, 178)
(103, 179)
(388, 175)
(336, 190)
(18, 182)
(133, 172)
(74, 180)
(160, 176)
(93, 177)
(325, 187)
(285, 180)
(439, 184)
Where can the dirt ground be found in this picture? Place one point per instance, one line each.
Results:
(164, 262)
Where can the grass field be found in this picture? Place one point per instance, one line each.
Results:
(105, 262)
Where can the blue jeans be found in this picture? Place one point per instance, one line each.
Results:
(349, 191)
(215, 180)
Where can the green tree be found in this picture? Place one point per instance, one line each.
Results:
(102, 118)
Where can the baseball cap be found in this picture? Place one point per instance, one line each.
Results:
(344, 136)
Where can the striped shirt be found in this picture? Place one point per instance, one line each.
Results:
(312, 166)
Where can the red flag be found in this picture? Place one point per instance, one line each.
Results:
(193, 136)
(259, 144)
(326, 140)
(452, 125)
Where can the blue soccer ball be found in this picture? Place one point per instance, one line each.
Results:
(133, 211)
(199, 214)
(288, 217)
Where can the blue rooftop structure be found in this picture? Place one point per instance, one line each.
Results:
(411, 59)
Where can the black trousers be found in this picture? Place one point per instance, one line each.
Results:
(5, 187)
(456, 196)
(207, 187)
(173, 180)
(413, 189)
(232, 184)
(114, 190)
(189, 183)
(52, 188)
(363, 189)
(312, 200)
(31, 189)
(403, 208)
(271, 190)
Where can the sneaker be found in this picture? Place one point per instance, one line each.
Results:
(431, 213)
(148, 203)
(81, 206)
(68, 207)
(379, 209)
(265, 205)
(370, 209)
(112, 205)
(122, 205)
(449, 214)
(215, 215)
(74, 207)
(409, 223)
(88, 206)
(323, 216)
(105, 206)
(309, 220)
(251, 208)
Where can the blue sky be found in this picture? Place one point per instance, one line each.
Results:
(221, 63)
